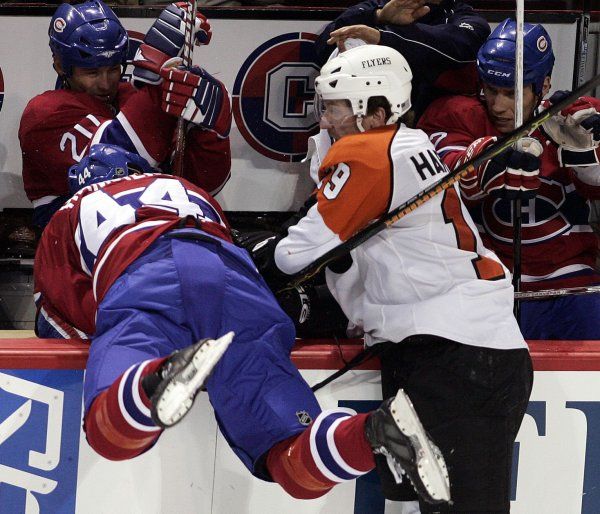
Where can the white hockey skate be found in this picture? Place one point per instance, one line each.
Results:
(395, 431)
(183, 376)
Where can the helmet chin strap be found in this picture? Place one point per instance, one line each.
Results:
(64, 79)
(326, 124)
(359, 122)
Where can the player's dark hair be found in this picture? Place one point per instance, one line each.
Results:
(379, 101)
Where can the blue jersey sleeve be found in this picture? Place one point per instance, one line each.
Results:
(359, 14)
(446, 38)
(439, 45)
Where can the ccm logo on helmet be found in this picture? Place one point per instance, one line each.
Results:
(498, 73)
(379, 61)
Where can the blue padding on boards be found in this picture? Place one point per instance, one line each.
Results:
(40, 419)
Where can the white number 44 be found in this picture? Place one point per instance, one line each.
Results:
(100, 213)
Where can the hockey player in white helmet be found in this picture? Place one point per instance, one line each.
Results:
(426, 287)
(355, 76)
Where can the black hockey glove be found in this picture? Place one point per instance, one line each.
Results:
(297, 303)
(261, 245)
(314, 311)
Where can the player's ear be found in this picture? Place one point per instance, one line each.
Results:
(60, 71)
(546, 86)
(57, 65)
(379, 117)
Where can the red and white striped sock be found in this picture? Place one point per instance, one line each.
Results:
(332, 450)
(118, 425)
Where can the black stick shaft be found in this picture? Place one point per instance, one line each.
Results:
(358, 359)
(549, 294)
(516, 277)
(188, 52)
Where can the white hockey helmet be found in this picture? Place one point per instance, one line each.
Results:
(363, 72)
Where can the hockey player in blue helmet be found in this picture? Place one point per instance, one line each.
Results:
(555, 171)
(92, 105)
(496, 68)
(89, 48)
(106, 162)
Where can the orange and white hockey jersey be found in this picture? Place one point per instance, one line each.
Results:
(427, 274)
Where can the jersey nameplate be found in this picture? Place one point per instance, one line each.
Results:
(428, 164)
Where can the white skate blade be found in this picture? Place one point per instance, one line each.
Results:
(178, 397)
(430, 463)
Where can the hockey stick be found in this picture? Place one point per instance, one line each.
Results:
(357, 360)
(374, 351)
(188, 52)
(547, 294)
(441, 185)
(517, 214)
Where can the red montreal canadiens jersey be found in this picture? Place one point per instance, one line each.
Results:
(559, 248)
(100, 231)
(57, 127)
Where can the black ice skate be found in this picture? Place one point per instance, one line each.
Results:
(395, 431)
(182, 376)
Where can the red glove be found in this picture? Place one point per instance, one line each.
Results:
(202, 30)
(196, 96)
(512, 174)
(576, 130)
(166, 39)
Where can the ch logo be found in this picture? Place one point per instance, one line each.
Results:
(46, 460)
(289, 97)
(273, 97)
(556, 209)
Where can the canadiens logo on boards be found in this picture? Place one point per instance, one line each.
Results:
(40, 410)
(273, 96)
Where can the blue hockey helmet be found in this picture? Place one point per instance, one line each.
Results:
(496, 57)
(105, 162)
(87, 35)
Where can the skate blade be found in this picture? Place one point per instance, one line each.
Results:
(178, 396)
(430, 463)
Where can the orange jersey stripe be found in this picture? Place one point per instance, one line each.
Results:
(356, 185)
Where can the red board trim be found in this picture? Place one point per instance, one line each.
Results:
(315, 354)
